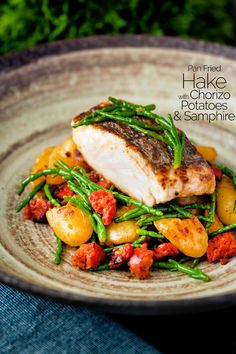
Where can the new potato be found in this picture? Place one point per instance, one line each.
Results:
(209, 153)
(65, 152)
(226, 197)
(70, 224)
(188, 235)
(216, 225)
(122, 232)
(40, 164)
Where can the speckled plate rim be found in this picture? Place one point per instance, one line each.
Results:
(146, 307)
(124, 307)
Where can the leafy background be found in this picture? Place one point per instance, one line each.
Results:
(25, 23)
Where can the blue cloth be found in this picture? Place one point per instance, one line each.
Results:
(32, 325)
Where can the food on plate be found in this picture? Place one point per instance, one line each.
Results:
(129, 191)
(41, 164)
(138, 164)
(216, 224)
(70, 224)
(187, 235)
(226, 196)
(121, 232)
(89, 255)
(221, 247)
(209, 153)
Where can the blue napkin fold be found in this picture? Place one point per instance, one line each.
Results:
(33, 325)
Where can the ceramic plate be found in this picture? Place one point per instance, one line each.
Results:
(41, 89)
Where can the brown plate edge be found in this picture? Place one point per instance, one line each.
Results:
(156, 307)
(24, 57)
(124, 307)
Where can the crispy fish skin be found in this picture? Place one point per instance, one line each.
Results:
(140, 165)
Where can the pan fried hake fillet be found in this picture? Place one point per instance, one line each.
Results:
(140, 165)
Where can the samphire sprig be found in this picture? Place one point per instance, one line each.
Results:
(127, 113)
(172, 264)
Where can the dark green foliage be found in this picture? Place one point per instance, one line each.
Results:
(24, 23)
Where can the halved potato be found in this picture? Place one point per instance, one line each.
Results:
(68, 153)
(226, 197)
(208, 152)
(123, 210)
(40, 164)
(216, 225)
(188, 235)
(122, 232)
(70, 224)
